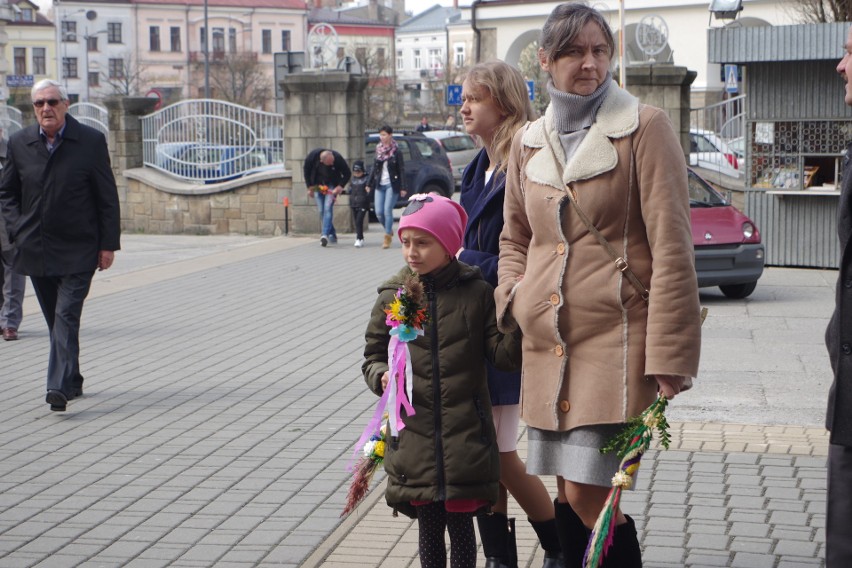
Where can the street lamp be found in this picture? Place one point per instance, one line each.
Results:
(88, 49)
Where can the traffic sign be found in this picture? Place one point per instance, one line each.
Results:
(531, 90)
(19, 80)
(454, 95)
(731, 78)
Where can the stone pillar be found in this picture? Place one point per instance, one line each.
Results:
(666, 87)
(322, 110)
(125, 136)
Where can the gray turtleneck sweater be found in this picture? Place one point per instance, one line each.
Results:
(574, 114)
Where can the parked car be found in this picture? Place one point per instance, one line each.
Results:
(460, 148)
(427, 168)
(708, 151)
(213, 163)
(728, 250)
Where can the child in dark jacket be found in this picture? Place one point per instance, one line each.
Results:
(359, 200)
(442, 465)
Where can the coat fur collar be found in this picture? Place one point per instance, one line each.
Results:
(618, 117)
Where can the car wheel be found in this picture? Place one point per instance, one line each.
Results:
(434, 188)
(738, 291)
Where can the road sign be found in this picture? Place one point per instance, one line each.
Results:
(531, 90)
(731, 78)
(19, 80)
(454, 95)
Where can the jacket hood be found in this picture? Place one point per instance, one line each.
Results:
(618, 117)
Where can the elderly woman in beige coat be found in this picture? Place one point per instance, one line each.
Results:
(595, 352)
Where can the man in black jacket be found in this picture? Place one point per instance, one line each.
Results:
(326, 174)
(838, 339)
(58, 196)
(13, 284)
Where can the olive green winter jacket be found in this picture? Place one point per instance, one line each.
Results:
(447, 450)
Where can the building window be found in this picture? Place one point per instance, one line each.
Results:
(218, 41)
(69, 67)
(232, 40)
(154, 38)
(69, 31)
(114, 32)
(92, 43)
(458, 55)
(435, 59)
(39, 61)
(285, 40)
(116, 68)
(418, 61)
(174, 34)
(400, 62)
(266, 40)
(20, 55)
(203, 39)
(94, 79)
(380, 57)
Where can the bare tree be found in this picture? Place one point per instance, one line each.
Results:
(381, 89)
(124, 77)
(820, 11)
(532, 71)
(239, 78)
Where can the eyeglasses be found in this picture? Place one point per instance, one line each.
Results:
(40, 102)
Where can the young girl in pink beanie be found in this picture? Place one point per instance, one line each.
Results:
(443, 465)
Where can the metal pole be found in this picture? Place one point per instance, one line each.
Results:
(86, 74)
(206, 54)
(622, 63)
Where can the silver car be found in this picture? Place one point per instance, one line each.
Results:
(460, 148)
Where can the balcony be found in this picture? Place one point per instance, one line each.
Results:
(220, 56)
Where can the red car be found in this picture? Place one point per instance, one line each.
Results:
(728, 251)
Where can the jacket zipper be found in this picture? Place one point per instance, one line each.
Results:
(436, 390)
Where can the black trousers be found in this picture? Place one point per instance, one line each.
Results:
(359, 213)
(61, 299)
(838, 518)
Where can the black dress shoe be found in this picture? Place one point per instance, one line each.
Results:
(76, 392)
(57, 400)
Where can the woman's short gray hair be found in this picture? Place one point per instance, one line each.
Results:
(565, 23)
(46, 83)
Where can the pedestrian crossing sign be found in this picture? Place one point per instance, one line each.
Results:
(731, 79)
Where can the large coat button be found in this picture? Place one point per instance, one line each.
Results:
(560, 248)
(554, 299)
(847, 349)
(564, 405)
(559, 351)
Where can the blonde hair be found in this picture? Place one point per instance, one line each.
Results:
(509, 92)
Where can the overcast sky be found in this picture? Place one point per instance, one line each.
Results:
(417, 6)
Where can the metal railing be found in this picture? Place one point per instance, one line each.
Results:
(717, 140)
(92, 115)
(208, 141)
(11, 120)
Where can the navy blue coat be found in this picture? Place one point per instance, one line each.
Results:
(62, 208)
(838, 335)
(484, 206)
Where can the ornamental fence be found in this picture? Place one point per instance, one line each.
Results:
(11, 120)
(93, 115)
(209, 141)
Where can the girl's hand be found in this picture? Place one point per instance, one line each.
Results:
(403, 193)
(669, 385)
(385, 379)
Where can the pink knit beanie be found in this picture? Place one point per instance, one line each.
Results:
(441, 217)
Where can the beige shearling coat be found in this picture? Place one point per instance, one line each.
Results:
(589, 340)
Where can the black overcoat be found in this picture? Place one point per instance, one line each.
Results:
(67, 201)
(838, 336)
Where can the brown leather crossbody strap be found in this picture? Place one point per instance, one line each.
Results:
(620, 262)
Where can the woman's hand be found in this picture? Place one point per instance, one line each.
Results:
(385, 379)
(403, 193)
(669, 385)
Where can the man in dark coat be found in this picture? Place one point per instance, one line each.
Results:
(58, 196)
(326, 174)
(13, 284)
(838, 339)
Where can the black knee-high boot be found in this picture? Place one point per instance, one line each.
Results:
(497, 533)
(625, 551)
(548, 536)
(573, 534)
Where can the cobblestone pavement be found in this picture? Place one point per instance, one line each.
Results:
(223, 396)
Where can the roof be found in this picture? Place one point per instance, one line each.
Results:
(798, 42)
(433, 19)
(40, 20)
(284, 4)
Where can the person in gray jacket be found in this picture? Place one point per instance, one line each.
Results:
(13, 283)
(838, 339)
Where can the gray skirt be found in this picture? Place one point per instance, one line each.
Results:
(574, 455)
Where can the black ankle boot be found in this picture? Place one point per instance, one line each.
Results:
(625, 551)
(573, 534)
(495, 535)
(548, 536)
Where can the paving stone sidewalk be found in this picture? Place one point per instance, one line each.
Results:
(223, 397)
